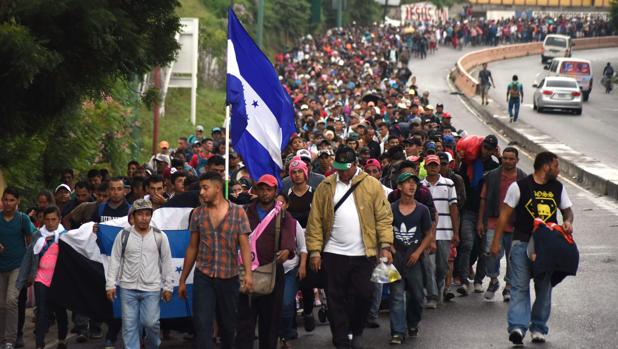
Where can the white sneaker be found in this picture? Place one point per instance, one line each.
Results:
(9, 346)
(431, 304)
(537, 337)
(478, 288)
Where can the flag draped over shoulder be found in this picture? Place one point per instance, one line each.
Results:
(262, 116)
(79, 277)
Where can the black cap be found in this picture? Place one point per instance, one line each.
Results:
(344, 158)
(443, 158)
(491, 142)
(439, 105)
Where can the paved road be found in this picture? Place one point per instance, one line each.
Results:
(584, 307)
(594, 132)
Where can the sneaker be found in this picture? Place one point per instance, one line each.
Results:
(449, 294)
(19, 342)
(478, 287)
(431, 304)
(96, 334)
(309, 323)
(109, 344)
(283, 344)
(537, 337)
(396, 340)
(412, 332)
(491, 289)
(357, 343)
(82, 337)
(61, 345)
(506, 294)
(372, 324)
(517, 337)
(9, 346)
(463, 289)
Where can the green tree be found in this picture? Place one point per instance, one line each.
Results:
(55, 55)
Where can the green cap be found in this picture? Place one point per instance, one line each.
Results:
(405, 176)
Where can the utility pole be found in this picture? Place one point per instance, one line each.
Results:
(156, 111)
(385, 10)
(259, 32)
(339, 13)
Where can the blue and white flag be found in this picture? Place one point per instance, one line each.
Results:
(174, 222)
(262, 117)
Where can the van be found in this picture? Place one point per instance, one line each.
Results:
(577, 68)
(556, 46)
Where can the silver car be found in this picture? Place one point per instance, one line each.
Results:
(557, 92)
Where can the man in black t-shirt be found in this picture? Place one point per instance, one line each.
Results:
(539, 195)
(413, 234)
(485, 81)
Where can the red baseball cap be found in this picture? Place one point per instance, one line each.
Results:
(432, 159)
(269, 180)
(446, 115)
(373, 162)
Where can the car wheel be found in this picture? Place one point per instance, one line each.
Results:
(539, 109)
(578, 111)
(586, 95)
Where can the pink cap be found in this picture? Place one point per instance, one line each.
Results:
(373, 162)
(432, 159)
(298, 164)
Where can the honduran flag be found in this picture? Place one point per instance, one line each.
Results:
(79, 277)
(262, 116)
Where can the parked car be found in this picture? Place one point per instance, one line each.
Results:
(577, 68)
(556, 45)
(557, 92)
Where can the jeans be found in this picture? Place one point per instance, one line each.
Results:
(437, 264)
(213, 296)
(8, 306)
(467, 236)
(21, 311)
(312, 280)
(476, 256)
(407, 310)
(376, 300)
(514, 104)
(140, 313)
(492, 263)
(348, 291)
(288, 309)
(44, 310)
(519, 314)
(429, 270)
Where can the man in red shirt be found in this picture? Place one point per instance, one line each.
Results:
(199, 160)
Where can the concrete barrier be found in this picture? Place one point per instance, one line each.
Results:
(468, 84)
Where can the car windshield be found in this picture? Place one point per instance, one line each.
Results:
(555, 41)
(561, 83)
(570, 67)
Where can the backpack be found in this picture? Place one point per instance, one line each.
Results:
(514, 90)
(124, 239)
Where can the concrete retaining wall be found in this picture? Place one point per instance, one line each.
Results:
(468, 84)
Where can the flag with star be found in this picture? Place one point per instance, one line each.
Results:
(85, 256)
(262, 115)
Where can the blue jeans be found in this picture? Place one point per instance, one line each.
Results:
(140, 313)
(437, 266)
(376, 300)
(514, 104)
(407, 310)
(492, 263)
(214, 296)
(519, 314)
(464, 250)
(288, 309)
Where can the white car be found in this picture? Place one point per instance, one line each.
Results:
(556, 45)
(557, 92)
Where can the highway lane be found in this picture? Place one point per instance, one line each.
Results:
(583, 312)
(594, 133)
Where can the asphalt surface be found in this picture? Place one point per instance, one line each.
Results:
(594, 132)
(584, 307)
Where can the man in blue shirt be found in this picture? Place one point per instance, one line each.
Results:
(514, 96)
(15, 234)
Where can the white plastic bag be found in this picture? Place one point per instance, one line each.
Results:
(385, 273)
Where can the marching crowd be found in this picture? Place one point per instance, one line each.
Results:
(376, 173)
